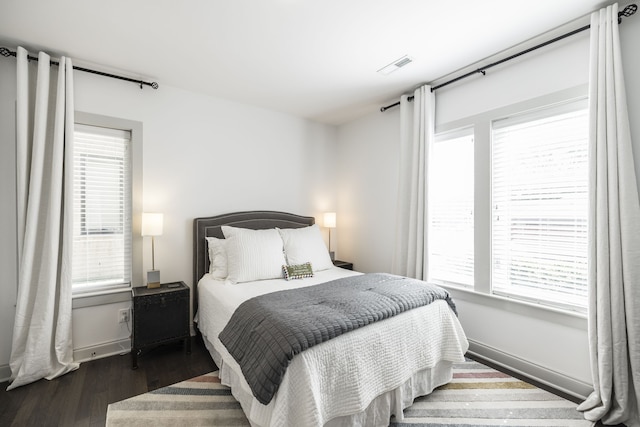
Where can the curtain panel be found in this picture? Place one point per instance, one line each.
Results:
(417, 124)
(42, 346)
(613, 236)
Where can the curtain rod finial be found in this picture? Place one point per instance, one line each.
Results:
(5, 52)
(627, 12)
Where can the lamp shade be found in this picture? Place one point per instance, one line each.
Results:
(330, 219)
(151, 224)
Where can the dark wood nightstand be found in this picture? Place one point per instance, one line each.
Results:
(160, 315)
(343, 264)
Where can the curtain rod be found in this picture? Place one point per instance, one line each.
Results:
(7, 53)
(626, 12)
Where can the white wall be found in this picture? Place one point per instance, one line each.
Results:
(546, 344)
(201, 156)
(367, 189)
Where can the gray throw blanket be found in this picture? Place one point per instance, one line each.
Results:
(265, 332)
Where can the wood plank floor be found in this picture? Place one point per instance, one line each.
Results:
(80, 398)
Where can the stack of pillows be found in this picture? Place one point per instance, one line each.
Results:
(246, 255)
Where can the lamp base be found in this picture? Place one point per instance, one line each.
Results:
(153, 279)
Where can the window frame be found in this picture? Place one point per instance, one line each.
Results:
(481, 123)
(135, 128)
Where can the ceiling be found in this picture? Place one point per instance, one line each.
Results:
(315, 59)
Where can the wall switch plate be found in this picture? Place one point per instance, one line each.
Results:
(123, 315)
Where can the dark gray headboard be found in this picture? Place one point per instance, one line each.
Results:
(256, 220)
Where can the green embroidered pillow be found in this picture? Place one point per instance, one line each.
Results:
(299, 271)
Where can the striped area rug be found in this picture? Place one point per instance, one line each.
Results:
(477, 396)
(481, 396)
(200, 401)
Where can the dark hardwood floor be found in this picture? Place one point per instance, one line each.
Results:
(80, 398)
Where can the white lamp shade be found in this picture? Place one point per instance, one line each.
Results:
(330, 220)
(151, 224)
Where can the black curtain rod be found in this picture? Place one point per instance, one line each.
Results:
(7, 53)
(626, 12)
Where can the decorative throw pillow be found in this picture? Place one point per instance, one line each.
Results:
(299, 271)
(306, 245)
(217, 257)
(253, 254)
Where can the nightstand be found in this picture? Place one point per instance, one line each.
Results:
(160, 315)
(343, 264)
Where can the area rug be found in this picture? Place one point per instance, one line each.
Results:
(477, 396)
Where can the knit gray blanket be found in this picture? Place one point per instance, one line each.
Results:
(265, 332)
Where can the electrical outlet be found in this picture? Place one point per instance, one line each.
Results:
(123, 315)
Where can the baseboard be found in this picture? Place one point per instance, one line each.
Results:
(5, 373)
(535, 372)
(102, 350)
(85, 354)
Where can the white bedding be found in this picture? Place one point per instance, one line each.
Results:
(359, 378)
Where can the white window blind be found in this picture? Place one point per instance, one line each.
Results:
(101, 208)
(451, 187)
(540, 202)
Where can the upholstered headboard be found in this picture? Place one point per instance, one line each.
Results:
(211, 227)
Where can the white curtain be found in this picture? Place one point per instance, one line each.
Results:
(416, 137)
(42, 346)
(614, 236)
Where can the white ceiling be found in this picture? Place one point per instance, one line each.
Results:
(312, 58)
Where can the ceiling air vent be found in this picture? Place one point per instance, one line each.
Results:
(398, 63)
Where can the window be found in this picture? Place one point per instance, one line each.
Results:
(508, 202)
(539, 187)
(102, 208)
(451, 222)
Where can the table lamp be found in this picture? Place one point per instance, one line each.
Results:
(330, 222)
(152, 226)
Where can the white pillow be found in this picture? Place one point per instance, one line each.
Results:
(306, 245)
(253, 254)
(217, 257)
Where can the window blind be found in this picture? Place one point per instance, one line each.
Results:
(101, 208)
(539, 189)
(451, 222)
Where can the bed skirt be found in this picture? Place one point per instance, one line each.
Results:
(377, 413)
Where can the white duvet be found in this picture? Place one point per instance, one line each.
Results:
(359, 378)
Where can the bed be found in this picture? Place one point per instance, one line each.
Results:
(362, 377)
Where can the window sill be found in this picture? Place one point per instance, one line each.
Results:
(101, 297)
(520, 307)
